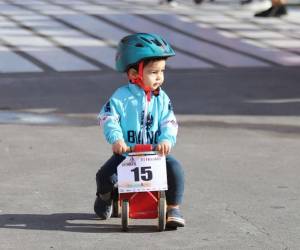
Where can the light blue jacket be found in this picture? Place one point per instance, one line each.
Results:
(130, 117)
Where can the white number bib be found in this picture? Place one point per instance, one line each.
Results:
(140, 173)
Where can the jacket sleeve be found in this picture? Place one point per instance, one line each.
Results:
(109, 120)
(168, 124)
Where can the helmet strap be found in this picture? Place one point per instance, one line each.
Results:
(139, 81)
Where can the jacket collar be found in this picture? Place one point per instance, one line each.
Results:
(135, 89)
(138, 91)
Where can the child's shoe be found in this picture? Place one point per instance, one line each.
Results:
(103, 206)
(174, 219)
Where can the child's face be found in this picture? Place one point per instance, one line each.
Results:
(153, 74)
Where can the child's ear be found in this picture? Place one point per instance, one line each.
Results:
(132, 73)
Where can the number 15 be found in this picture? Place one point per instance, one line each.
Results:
(145, 174)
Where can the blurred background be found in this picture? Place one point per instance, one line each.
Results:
(234, 84)
(52, 47)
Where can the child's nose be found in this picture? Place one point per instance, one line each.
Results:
(160, 75)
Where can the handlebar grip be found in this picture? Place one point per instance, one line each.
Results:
(142, 147)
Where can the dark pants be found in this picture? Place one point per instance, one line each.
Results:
(106, 178)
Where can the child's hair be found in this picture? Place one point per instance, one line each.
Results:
(146, 62)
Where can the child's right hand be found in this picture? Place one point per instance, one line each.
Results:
(120, 147)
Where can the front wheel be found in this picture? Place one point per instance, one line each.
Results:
(162, 208)
(125, 215)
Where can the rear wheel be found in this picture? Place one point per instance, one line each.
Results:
(125, 215)
(116, 209)
(162, 208)
(116, 205)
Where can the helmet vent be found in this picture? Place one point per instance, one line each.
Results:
(139, 45)
(146, 40)
(164, 42)
(155, 41)
(125, 39)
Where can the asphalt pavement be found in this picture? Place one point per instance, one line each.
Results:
(242, 189)
(239, 124)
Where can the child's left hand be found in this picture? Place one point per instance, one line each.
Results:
(163, 148)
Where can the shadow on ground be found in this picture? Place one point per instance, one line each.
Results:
(71, 222)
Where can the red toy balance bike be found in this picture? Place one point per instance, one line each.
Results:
(142, 181)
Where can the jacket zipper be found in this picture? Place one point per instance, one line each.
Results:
(145, 141)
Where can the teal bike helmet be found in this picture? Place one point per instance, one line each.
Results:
(140, 46)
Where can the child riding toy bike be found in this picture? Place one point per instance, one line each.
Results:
(140, 112)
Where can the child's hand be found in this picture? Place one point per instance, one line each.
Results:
(119, 147)
(163, 148)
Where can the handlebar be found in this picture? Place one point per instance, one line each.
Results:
(140, 148)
